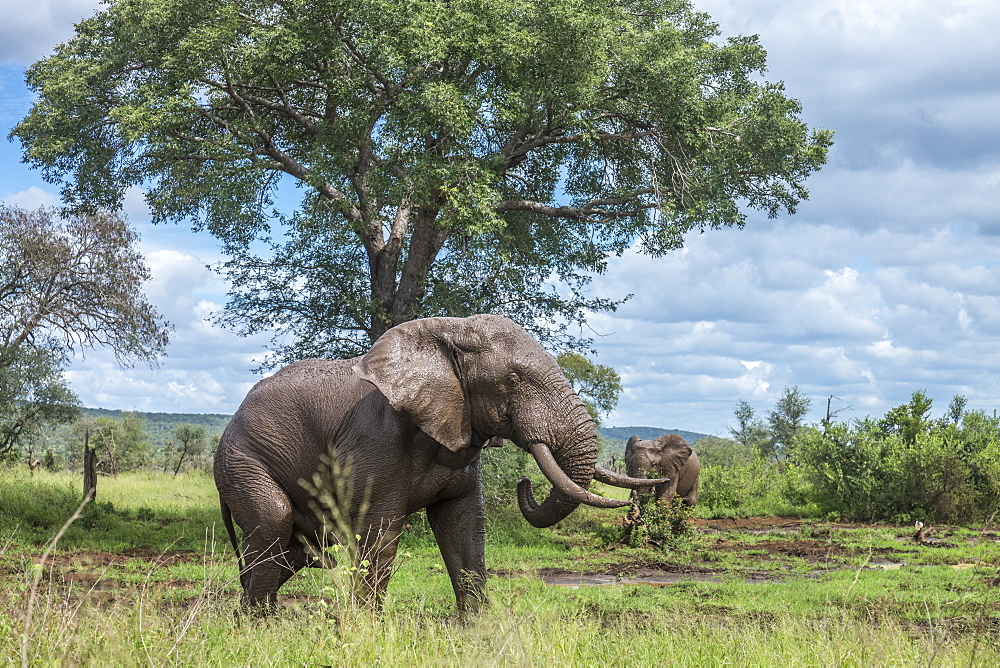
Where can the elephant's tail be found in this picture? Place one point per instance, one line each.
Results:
(227, 521)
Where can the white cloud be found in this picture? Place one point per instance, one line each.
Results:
(32, 198)
(915, 311)
(30, 30)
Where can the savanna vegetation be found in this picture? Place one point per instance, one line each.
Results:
(802, 550)
(773, 567)
(905, 466)
(143, 576)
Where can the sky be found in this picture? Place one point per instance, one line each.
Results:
(886, 281)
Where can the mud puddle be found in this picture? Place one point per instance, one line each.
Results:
(652, 578)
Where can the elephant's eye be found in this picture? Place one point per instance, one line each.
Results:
(513, 378)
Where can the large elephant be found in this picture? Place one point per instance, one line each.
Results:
(671, 457)
(394, 431)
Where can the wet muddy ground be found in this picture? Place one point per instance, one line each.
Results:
(751, 550)
(769, 549)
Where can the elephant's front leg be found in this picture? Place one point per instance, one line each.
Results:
(460, 528)
(665, 492)
(376, 554)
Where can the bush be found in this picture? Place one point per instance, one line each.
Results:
(666, 525)
(502, 468)
(869, 471)
(733, 486)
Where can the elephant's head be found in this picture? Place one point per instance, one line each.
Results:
(466, 380)
(664, 455)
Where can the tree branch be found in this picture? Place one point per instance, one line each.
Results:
(595, 211)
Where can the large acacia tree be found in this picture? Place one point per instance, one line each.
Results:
(447, 156)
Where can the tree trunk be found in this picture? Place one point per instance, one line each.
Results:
(425, 244)
(180, 459)
(397, 291)
(89, 468)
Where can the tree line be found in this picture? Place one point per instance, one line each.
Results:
(120, 445)
(906, 465)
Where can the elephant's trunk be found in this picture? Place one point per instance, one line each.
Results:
(562, 482)
(570, 468)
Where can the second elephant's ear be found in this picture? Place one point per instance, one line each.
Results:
(414, 365)
(674, 452)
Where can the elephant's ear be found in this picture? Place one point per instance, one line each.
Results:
(674, 452)
(414, 365)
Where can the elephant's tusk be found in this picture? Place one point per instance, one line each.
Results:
(618, 480)
(550, 467)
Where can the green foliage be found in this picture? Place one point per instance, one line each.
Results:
(664, 525)
(33, 394)
(771, 439)
(906, 466)
(149, 579)
(66, 283)
(786, 420)
(159, 432)
(138, 511)
(160, 426)
(121, 445)
(741, 489)
(152, 577)
(716, 451)
(908, 420)
(189, 443)
(502, 468)
(597, 385)
(450, 156)
(750, 432)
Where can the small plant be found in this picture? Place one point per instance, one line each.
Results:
(663, 524)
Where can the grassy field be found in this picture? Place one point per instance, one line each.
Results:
(146, 577)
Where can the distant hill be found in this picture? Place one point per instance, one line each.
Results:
(647, 433)
(613, 439)
(160, 425)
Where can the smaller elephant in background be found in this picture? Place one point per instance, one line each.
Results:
(668, 456)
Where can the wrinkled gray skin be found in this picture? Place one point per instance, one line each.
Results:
(406, 422)
(671, 457)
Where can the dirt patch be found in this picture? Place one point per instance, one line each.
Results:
(97, 575)
(768, 523)
(764, 549)
(767, 549)
(88, 559)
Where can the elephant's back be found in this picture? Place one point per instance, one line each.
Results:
(286, 415)
(303, 388)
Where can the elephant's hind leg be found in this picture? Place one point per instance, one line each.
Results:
(270, 554)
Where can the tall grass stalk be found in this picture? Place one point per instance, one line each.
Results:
(37, 577)
(524, 630)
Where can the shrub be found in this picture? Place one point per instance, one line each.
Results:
(938, 472)
(664, 524)
(738, 486)
(502, 468)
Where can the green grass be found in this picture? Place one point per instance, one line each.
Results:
(148, 578)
